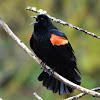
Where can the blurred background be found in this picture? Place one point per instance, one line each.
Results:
(18, 72)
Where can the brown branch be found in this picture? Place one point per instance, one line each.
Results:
(81, 94)
(45, 68)
(61, 21)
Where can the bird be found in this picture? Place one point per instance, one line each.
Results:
(53, 48)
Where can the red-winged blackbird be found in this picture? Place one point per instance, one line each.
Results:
(54, 49)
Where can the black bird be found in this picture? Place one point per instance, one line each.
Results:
(54, 49)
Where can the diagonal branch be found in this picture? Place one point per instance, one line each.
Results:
(45, 68)
(37, 96)
(81, 94)
(62, 22)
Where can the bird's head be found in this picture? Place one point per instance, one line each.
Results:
(42, 21)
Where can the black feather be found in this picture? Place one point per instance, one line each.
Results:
(51, 85)
(60, 57)
(42, 76)
(61, 89)
(66, 89)
(56, 86)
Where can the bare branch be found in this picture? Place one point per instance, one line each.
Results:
(38, 97)
(45, 68)
(81, 94)
(61, 22)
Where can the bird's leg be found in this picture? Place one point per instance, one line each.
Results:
(51, 71)
(43, 65)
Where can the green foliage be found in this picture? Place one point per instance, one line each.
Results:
(18, 72)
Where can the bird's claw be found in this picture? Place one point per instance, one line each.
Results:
(51, 71)
(43, 65)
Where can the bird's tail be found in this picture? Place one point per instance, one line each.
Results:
(55, 85)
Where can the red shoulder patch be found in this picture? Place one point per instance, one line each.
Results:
(30, 36)
(58, 40)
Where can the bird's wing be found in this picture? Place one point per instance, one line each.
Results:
(63, 47)
(59, 39)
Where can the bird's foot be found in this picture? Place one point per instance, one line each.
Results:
(43, 65)
(51, 71)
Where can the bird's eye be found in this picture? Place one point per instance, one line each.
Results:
(41, 17)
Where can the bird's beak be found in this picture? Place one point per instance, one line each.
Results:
(34, 17)
(34, 22)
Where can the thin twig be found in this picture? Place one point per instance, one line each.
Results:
(61, 22)
(81, 94)
(45, 68)
(37, 96)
